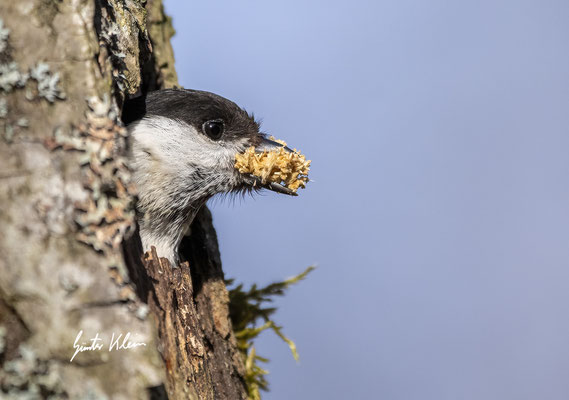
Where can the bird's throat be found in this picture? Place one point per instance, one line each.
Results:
(165, 231)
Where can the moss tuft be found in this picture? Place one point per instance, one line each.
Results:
(246, 308)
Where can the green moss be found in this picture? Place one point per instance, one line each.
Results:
(246, 309)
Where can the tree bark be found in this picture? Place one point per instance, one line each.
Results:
(191, 305)
(66, 206)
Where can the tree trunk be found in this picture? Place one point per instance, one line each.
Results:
(66, 206)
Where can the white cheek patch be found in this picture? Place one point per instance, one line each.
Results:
(176, 144)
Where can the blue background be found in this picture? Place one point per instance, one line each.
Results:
(438, 212)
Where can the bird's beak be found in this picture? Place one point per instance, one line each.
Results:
(268, 145)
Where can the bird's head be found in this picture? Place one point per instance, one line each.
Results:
(188, 140)
(183, 147)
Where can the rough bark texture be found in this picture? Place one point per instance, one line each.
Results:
(191, 303)
(67, 203)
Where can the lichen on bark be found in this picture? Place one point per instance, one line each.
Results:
(61, 171)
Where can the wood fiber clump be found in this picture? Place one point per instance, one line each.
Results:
(287, 168)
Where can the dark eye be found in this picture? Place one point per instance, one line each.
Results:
(214, 129)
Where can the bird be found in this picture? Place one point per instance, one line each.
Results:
(182, 147)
